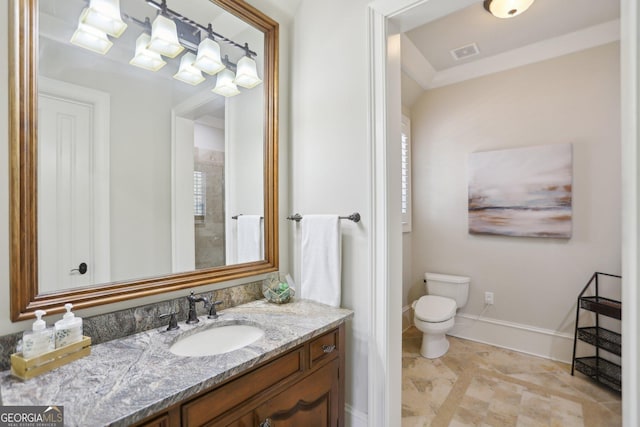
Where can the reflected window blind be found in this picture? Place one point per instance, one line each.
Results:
(199, 196)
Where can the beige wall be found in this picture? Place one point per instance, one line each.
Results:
(572, 99)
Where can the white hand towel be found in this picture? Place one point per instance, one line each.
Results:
(321, 256)
(249, 238)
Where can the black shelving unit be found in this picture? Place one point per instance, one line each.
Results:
(599, 369)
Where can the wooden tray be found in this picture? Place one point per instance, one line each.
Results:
(29, 368)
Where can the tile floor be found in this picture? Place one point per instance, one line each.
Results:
(480, 385)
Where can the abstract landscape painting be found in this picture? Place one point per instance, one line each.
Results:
(521, 191)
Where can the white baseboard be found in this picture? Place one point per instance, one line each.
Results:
(540, 342)
(354, 418)
(406, 317)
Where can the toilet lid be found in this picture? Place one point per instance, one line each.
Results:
(432, 308)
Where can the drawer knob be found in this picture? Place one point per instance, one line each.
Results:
(328, 348)
(266, 423)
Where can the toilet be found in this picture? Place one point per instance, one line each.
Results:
(434, 313)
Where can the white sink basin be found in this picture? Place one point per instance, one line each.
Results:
(217, 340)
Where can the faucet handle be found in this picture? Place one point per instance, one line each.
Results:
(212, 309)
(173, 322)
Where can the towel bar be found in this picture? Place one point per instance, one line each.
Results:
(236, 216)
(355, 217)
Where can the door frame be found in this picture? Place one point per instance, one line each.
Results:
(384, 399)
(101, 102)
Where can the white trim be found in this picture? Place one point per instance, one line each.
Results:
(100, 101)
(523, 338)
(355, 418)
(379, 394)
(630, 97)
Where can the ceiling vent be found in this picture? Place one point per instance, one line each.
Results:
(465, 52)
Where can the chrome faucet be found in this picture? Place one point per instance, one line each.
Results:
(193, 317)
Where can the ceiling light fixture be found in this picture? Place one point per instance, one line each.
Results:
(91, 38)
(145, 58)
(208, 59)
(187, 72)
(507, 8)
(168, 35)
(104, 15)
(225, 84)
(164, 37)
(246, 72)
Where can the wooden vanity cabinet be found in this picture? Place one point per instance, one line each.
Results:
(312, 402)
(302, 387)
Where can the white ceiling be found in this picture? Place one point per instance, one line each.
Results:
(548, 29)
(58, 20)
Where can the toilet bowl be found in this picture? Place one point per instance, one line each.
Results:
(435, 312)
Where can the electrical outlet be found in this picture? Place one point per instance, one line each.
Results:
(488, 298)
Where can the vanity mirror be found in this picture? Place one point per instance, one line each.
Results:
(128, 182)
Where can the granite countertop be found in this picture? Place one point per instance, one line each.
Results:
(125, 380)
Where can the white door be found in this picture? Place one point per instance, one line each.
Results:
(71, 249)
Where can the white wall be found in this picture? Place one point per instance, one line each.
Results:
(140, 156)
(244, 153)
(571, 99)
(329, 149)
(272, 8)
(208, 137)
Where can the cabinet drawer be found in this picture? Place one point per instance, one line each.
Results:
(324, 348)
(215, 403)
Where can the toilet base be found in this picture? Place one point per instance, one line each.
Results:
(434, 345)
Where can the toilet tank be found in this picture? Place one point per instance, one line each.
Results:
(446, 285)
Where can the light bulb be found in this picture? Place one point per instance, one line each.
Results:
(208, 59)
(225, 85)
(247, 75)
(164, 37)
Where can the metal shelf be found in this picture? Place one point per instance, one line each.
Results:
(603, 338)
(601, 370)
(601, 305)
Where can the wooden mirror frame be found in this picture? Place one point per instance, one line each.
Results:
(23, 73)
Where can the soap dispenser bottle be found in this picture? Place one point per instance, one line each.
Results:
(68, 329)
(39, 339)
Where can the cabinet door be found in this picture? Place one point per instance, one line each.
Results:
(246, 420)
(161, 421)
(311, 402)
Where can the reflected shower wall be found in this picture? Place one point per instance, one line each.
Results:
(209, 221)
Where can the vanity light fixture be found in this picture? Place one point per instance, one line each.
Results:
(91, 38)
(225, 84)
(507, 8)
(208, 59)
(187, 72)
(161, 38)
(104, 15)
(145, 58)
(164, 37)
(246, 72)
